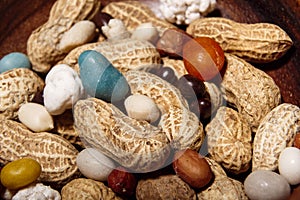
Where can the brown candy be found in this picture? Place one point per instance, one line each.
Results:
(122, 182)
(171, 42)
(192, 168)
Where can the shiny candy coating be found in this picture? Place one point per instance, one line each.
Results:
(289, 165)
(191, 87)
(266, 185)
(203, 57)
(20, 173)
(201, 107)
(100, 78)
(166, 73)
(14, 60)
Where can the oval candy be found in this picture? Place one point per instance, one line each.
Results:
(20, 173)
(289, 165)
(100, 78)
(267, 185)
(94, 165)
(14, 60)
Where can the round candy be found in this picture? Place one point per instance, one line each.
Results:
(14, 60)
(100, 78)
(94, 165)
(289, 165)
(20, 173)
(267, 185)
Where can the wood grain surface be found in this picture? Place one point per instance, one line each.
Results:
(20, 17)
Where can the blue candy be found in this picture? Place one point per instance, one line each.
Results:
(100, 78)
(14, 60)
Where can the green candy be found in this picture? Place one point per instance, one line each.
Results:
(14, 60)
(100, 78)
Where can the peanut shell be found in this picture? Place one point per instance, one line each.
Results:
(164, 187)
(64, 126)
(229, 140)
(276, 132)
(252, 91)
(137, 144)
(129, 54)
(55, 154)
(215, 167)
(135, 13)
(87, 189)
(258, 42)
(43, 43)
(223, 188)
(17, 87)
(71, 58)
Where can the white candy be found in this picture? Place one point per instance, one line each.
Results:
(289, 165)
(141, 107)
(266, 185)
(115, 30)
(146, 31)
(63, 88)
(37, 191)
(35, 117)
(185, 11)
(80, 33)
(94, 165)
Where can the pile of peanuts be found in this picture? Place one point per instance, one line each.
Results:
(132, 107)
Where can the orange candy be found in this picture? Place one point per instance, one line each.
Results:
(203, 57)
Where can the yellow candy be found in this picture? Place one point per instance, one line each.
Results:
(20, 173)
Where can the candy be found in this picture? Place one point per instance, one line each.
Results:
(94, 165)
(35, 117)
(20, 173)
(100, 78)
(263, 184)
(288, 165)
(142, 107)
(14, 60)
(203, 57)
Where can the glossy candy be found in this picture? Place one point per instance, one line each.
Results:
(20, 173)
(289, 165)
(266, 185)
(201, 107)
(166, 73)
(203, 57)
(100, 78)
(14, 60)
(191, 87)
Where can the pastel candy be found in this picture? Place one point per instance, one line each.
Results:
(14, 60)
(266, 185)
(100, 78)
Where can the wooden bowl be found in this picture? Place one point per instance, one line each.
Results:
(19, 18)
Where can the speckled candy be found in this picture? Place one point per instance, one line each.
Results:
(100, 78)
(14, 60)
(266, 185)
